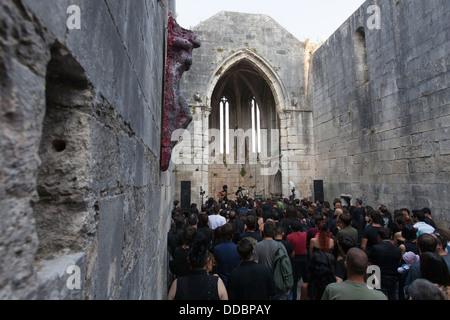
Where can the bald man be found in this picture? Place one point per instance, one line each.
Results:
(355, 287)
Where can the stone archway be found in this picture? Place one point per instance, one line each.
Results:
(260, 64)
(245, 97)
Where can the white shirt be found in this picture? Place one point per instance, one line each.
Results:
(423, 227)
(216, 220)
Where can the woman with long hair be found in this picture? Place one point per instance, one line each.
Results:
(323, 240)
(434, 269)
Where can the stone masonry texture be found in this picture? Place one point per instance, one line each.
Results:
(386, 140)
(80, 147)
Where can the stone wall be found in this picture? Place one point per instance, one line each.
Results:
(381, 107)
(80, 150)
(256, 41)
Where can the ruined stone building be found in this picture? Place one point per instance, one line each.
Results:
(367, 113)
(82, 190)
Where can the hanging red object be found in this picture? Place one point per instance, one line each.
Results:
(176, 115)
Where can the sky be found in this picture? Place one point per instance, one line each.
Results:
(316, 20)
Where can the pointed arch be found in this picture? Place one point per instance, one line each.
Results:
(261, 65)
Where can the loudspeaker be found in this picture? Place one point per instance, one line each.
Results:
(185, 201)
(318, 191)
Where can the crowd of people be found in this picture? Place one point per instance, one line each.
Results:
(260, 249)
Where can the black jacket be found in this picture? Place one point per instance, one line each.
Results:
(387, 256)
(251, 281)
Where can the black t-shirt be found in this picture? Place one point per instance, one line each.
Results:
(371, 234)
(255, 235)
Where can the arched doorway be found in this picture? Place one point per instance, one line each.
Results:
(245, 125)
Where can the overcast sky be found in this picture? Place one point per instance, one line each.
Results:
(313, 19)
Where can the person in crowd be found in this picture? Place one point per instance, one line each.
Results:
(265, 251)
(370, 233)
(321, 273)
(434, 269)
(358, 213)
(174, 235)
(225, 253)
(400, 221)
(279, 237)
(179, 266)
(442, 238)
(344, 243)
(387, 256)
(344, 226)
(216, 220)
(291, 215)
(334, 221)
(323, 241)
(408, 258)
(299, 262)
(250, 281)
(409, 234)
(420, 224)
(426, 243)
(176, 207)
(422, 289)
(250, 222)
(198, 284)
(428, 218)
(386, 216)
(355, 287)
(204, 228)
(192, 221)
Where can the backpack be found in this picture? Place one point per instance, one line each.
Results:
(282, 270)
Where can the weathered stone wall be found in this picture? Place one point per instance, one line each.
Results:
(80, 136)
(229, 38)
(384, 135)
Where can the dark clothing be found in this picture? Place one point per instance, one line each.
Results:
(200, 237)
(430, 222)
(197, 285)
(358, 221)
(173, 241)
(251, 281)
(207, 232)
(255, 235)
(299, 271)
(387, 256)
(287, 245)
(227, 258)
(179, 266)
(371, 234)
(341, 271)
(411, 246)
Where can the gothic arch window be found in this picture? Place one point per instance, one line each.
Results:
(224, 110)
(362, 70)
(256, 126)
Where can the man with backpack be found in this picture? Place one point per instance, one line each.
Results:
(274, 255)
